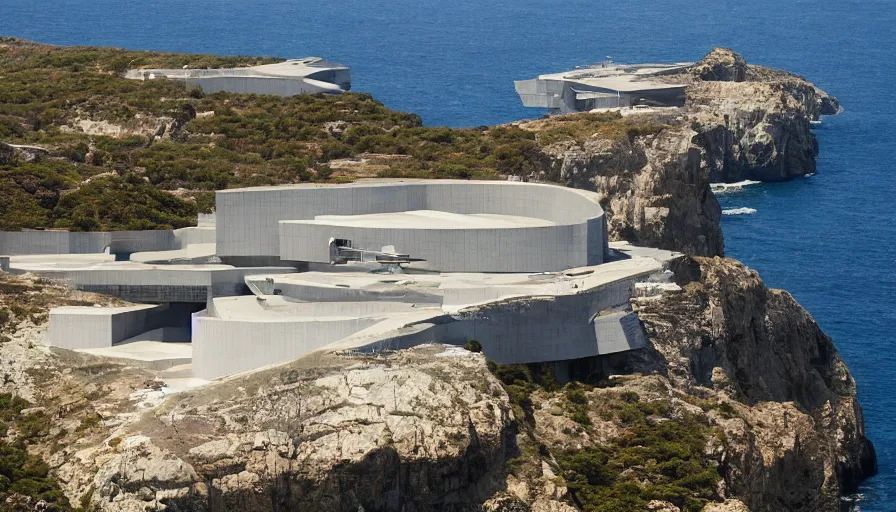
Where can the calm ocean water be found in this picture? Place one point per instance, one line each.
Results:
(827, 239)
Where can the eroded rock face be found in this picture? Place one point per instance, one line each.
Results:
(428, 425)
(754, 122)
(740, 122)
(432, 427)
(655, 189)
(721, 64)
(796, 440)
(755, 130)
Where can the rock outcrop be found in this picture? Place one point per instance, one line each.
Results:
(403, 432)
(742, 370)
(655, 188)
(766, 404)
(721, 64)
(753, 122)
(740, 122)
(794, 439)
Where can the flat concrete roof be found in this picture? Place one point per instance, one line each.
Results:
(625, 83)
(274, 307)
(71, 262)
(428, 219)
(487, 287)
(621, 77)
(292, 68)
(100, 311)
(151, 355)
(633, 70)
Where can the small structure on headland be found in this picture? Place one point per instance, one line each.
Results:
(295, 76)
(604, 85)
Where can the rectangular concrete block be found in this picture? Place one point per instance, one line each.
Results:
(91, 327)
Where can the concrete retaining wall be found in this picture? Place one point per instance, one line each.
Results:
(194, 235)
(515, 333)
(89, 327)
(261, 85)
(519, 330)
(163, 283)
(65, 242)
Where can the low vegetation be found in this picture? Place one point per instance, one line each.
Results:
(29, 299)
(162, 150)
(660, 456)
(660, 453)
(25, 479)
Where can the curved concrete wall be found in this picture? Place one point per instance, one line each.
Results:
(249, 223)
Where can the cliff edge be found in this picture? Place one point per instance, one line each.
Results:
(740, 403)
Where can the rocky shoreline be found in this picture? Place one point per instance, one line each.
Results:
(741, 404)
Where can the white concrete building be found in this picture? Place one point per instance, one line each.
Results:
(451, 225)
(604, 85)
(295, 76)
(525, 269)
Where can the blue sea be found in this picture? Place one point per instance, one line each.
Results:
(828, 239)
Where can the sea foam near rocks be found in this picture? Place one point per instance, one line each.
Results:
(739, 211)
(727, 188)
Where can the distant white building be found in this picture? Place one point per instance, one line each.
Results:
(296, 76)
(605, 85)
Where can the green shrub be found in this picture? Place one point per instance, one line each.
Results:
(473, 346)
(21, 472)
(662, 460)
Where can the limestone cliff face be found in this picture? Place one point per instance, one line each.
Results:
(426, 427)
(433, 428)
(796, 440)
(655, 188)
(753, 122)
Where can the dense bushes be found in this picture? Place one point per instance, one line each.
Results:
(217, 141)
(122, 204)
(661, 456)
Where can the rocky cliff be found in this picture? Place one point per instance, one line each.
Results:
(794, 438)
(740, 122)
(655, 188)
(753, 122)
(741, 404)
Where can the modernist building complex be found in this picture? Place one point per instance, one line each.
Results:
(525, 269)
(296, 76)
(604, 85)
